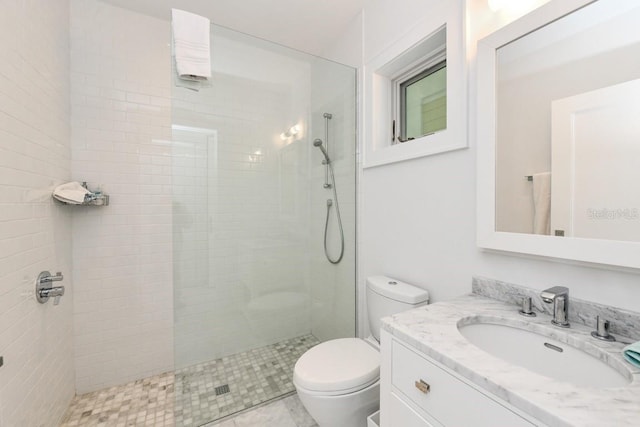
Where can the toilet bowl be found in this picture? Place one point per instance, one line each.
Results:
(338, 381)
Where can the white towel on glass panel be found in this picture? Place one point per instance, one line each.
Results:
(191, 34)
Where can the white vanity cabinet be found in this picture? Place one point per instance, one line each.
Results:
(417, 391)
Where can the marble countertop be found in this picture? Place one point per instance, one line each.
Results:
(433, 330)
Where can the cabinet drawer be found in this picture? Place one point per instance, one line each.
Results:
(404, 416)
(448, 399)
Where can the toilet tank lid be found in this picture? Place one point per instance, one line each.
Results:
(397, 290)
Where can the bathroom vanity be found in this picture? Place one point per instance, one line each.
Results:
(433, 375)
(425, 393)
(475, 360)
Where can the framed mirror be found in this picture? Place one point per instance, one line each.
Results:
(558, 122)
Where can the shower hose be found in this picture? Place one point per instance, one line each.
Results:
(326, 223)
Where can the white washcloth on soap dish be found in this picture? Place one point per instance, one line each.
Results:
(71, 192)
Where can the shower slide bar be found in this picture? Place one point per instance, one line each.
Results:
(327, 117)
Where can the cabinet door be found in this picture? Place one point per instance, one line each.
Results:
(403, 416)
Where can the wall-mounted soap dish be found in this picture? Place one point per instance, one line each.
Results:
(96, 199)
(71, 190)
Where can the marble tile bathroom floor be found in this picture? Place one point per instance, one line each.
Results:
(192, 396)
(287, 412)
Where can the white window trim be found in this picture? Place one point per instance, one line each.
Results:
(379, 76)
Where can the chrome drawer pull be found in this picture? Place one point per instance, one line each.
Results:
(423, 386)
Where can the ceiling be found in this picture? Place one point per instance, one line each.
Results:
(307, 25)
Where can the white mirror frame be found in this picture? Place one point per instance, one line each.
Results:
(607, 252)
(378, 76)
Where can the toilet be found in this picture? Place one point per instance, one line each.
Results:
(338, 381)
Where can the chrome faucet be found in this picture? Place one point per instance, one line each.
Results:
(559, 297)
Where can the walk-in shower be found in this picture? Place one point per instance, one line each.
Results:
(250, 293)
(191, 295)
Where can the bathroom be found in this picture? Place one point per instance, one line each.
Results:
(118, 320)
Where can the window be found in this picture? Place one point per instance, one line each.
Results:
(420, 95)
(416, 91)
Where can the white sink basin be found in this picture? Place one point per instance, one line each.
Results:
(542, 355)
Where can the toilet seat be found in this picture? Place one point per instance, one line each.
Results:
(336, 367)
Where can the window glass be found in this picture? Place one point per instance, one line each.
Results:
(423, 103)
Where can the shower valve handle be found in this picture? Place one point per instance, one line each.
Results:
(44, 290)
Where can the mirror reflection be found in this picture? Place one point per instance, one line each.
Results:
(568, 132)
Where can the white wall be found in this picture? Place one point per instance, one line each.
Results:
(37, 379)
(418, 219)
(120, 120)
(347, 48)
(419, 216)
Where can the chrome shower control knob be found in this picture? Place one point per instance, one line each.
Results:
(44, 289)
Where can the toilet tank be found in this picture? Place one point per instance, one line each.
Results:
(386, 296)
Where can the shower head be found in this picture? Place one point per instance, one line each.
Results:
(318, 143)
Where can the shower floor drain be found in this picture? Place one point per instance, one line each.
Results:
(223, 389)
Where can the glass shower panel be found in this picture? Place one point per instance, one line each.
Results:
(333, 296)
(245, 230)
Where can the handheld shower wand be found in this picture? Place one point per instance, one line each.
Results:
(318, 143)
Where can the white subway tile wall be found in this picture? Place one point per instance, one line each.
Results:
(120, 133)
(37, 379)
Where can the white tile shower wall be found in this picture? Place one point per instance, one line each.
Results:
(241, 215)
(121, 118)
(36, 381)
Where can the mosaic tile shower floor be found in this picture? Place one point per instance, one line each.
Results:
(188, 396)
